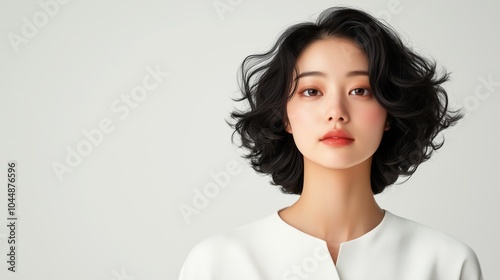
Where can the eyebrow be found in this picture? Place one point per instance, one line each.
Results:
(321, 74)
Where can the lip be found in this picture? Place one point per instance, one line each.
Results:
(337, 138)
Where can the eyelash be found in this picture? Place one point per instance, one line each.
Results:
(366, 89)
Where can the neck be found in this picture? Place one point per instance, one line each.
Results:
(336, 204)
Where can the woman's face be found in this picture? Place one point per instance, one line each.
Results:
(333, 94)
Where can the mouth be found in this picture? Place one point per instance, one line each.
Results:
(337, 135)
(337, 141)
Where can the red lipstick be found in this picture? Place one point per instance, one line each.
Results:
(337, 137)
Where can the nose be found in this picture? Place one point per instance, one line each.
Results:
(340, 119)
(336, 109)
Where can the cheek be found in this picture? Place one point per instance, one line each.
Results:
(301, 117)
(375, 117)
(303, 126)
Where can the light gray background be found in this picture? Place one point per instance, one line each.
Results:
(116, 215)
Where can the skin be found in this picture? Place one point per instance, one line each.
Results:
(336, 204)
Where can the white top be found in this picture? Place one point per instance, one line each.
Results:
(271, 249)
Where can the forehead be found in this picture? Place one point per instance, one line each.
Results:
(332, 54)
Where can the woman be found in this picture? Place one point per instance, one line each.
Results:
(339, 109)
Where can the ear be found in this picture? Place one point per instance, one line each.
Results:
(288, 128)
(387, 125)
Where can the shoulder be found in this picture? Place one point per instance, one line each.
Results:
(236, 238)
(419, 234)
(435, 246)
(224, 251)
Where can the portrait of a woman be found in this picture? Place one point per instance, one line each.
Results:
(339, 109)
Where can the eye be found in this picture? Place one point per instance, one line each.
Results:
(360, 92)
(310, 92)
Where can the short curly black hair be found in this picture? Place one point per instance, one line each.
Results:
(406, 84)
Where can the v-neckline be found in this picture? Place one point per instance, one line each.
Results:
(367, 235)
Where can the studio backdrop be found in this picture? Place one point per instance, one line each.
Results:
(116, 158)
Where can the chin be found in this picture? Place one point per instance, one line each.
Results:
(339, 163)
(336, 164)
